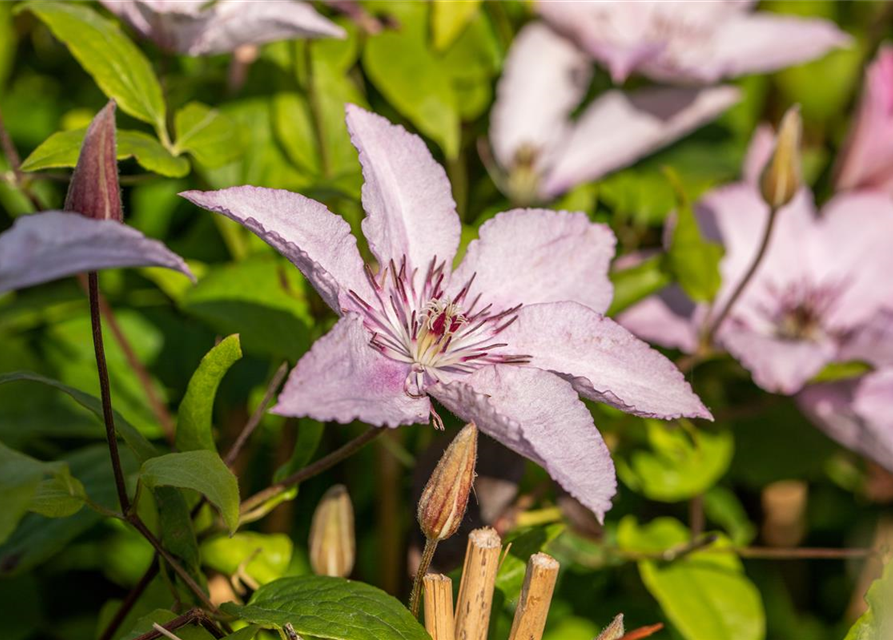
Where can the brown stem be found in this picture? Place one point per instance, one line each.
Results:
(424, 565)
(140, 526)
(316, 113)
(696, 516)
(9, 150)
(130, 601)
(158, 407)
(193, 616)
(803, 553)
(257, 416)
(105, 392)
(311, 470)
(708, 336)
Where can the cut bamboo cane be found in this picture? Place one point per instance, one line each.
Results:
(536, 596)
(478, 580)
(439, 607)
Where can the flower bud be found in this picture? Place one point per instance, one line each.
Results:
(93, 191)
(443, 502)
(781, 178)
(332, 541)
(613, 631)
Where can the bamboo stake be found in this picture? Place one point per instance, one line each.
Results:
(478, 580)
(439, 607)
(536, 595)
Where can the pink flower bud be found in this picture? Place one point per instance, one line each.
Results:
(93, 191)
(782, 177)
(443, 502)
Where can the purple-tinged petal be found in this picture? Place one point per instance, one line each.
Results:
(668, 318)
(410, 209)
(129, 12)
(94, 191)
(317, 241)
(602, 360)
(866, 159)
(853, 251)
(619, 128)
(539, 416)
(54, 244)
(777, 365)
(872, 341)
(855, 413)
(230, 24)
(763, 42)
(343, 379)
(538, 255)
(544, 79)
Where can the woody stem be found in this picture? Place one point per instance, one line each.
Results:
(424, 565)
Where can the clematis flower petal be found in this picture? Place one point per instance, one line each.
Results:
(54, 244)
(778, 365)
(539, 255)
(872, 341)
(198, 28)
(668, 318)
(602, 360)
(866, 159)
(761, 42)
(343, 379)
(855, 413)
(409, 206)
(539, 416)
(317, 241)
(853, 249)
(619, 128)
(544, 79)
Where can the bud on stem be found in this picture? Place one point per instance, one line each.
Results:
(782, 178)
(332, 540)
(93, 191)
(443, 502)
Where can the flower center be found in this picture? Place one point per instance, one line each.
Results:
(802, 309)
(413, 321)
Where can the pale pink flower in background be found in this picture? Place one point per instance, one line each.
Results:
(542, 152)
(510, 339)
(857, 411)
(823, 278)
(866, 160)
(690, 42)
(196, 28)
(53, 244)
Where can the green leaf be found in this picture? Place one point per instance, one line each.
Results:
(293, 123)
(677, 465)
(523, 545)
(693, 261)
(723, 507)
(116, 64)
(134, 439)
(62, 148)
(262, 298)
(877, 622)
(705, 594)
(176, 527)
(245, 633)
(841, 371)
(449, 18)
(201, 471)
(61, 496)
(264, 557)
(637, 283)
(331, 608)
(38, 538)
(410, 76)
(207, 134)
(194, 429)
(20, 476)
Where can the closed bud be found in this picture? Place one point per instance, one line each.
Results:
(332, 541)
(781, 178)
(443, 502)
(613, 631)
(93, 191)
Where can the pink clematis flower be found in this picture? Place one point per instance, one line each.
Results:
(856, 412)
(686, 42)
(543, 152)
(46, 246)
(823, 278)
(508, 340)
(197, 27)
(866, 161)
